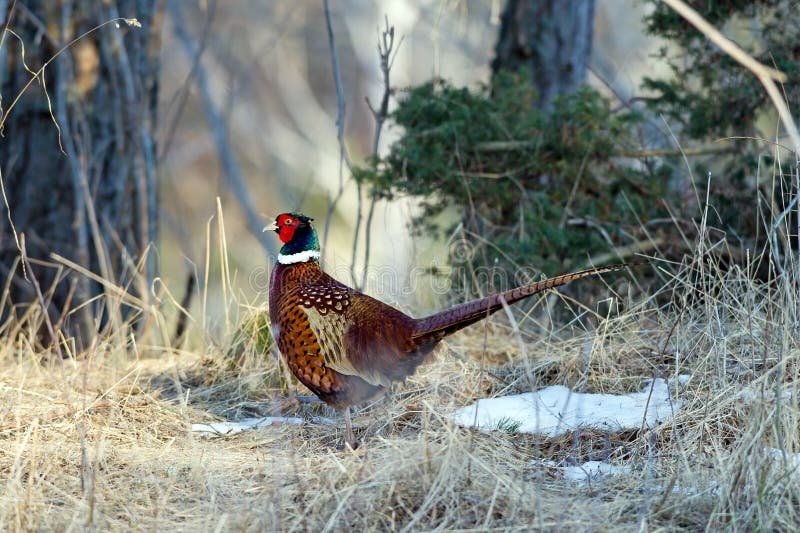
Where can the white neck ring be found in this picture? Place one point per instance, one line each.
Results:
(300, 257)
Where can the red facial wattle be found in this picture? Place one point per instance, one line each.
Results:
(286, 228)
(286, 233)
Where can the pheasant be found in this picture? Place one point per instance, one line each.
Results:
(347, 347)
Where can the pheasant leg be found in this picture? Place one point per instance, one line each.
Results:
(348, 424)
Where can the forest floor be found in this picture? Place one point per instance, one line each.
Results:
(105, 441)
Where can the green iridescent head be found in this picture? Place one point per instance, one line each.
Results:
(297, 235)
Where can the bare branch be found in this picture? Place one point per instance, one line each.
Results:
(510, 146)
(337, 78)
(387, 53)
(39, 296)
(344, 158)
(385, 48)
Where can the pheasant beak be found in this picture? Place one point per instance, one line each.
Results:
(272, 227)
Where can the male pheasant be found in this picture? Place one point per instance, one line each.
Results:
(347, 347)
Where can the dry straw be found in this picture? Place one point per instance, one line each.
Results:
(102, 441)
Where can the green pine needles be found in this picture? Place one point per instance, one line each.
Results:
(545, 188)
(552, 189)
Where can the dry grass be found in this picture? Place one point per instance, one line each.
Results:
(103, 442)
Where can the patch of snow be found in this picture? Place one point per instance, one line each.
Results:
(683, 379)
(231, 428)
(555, 410)
(588, 471)
(591, 470)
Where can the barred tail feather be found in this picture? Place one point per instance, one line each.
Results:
(439, 325)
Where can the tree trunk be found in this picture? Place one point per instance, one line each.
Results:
(78, 156)
(551, 40)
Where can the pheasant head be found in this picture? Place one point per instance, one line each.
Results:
(300, 242)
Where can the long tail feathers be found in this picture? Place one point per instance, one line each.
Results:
(438, 325)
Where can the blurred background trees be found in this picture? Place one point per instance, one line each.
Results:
(570, 177)
(78, 154)
(491, 132)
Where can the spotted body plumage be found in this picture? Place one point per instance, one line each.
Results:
(335, 340)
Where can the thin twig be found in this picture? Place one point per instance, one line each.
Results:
(7, 22)
(385, 49)
(39, 296)
(337, 79)
(343, 154)
(666, 152)
(511, 146)
(623, 252)
(128, 21)
(8, 13)
(521, 344)
(8, 211)
(344, 158)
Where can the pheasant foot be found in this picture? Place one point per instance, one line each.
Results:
(350, 438)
